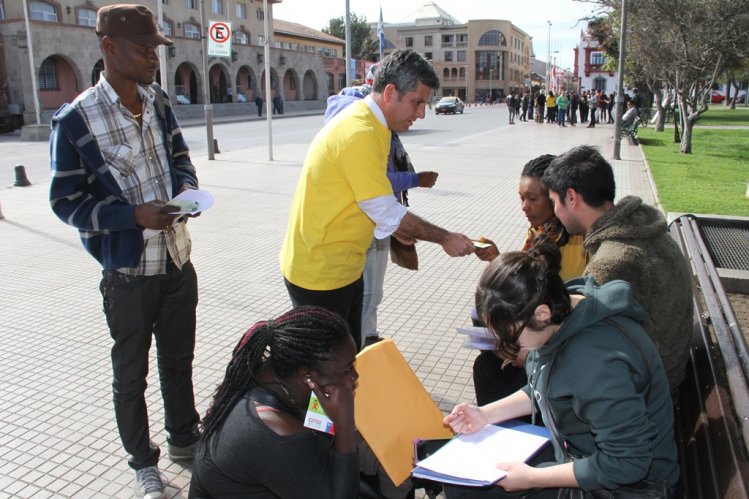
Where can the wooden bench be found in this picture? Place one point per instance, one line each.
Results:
(712, 414)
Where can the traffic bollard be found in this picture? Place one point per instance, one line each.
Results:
(21, 179)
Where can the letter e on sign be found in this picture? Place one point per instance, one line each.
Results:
(219, 39)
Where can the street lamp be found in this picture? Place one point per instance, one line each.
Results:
(548, 58)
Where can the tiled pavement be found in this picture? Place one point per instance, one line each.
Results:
(57, 431)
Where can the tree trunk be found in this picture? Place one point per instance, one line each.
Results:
(662, 106)
(729, 102)
(689, 117)
(686, 138)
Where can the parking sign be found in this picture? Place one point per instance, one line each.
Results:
(219, 39)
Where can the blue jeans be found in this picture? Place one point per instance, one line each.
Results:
(374, 282)
(561, 116)
(137, 308)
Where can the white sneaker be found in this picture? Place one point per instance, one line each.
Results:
(149, 484)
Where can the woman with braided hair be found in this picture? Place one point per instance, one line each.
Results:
(594, 375)
(254, 443)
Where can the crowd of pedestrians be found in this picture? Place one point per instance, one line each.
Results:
(563, 108)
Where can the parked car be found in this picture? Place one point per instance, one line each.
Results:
(450, 105)
(716, 97)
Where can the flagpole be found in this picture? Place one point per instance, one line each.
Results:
(381, 35)
(347, 35)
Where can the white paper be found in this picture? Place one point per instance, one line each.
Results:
(203, 198)
(478, 337)
(475, 456)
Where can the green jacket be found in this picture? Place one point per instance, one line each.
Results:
(608, 394)
(631, 242)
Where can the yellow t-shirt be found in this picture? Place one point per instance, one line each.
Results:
(328, 234)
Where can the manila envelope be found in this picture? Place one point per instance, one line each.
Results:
(392, 408)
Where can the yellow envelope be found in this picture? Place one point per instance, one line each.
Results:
(392, 408)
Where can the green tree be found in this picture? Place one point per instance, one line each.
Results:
(684, 44)
(363, 44)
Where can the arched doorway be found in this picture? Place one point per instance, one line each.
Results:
(58, 83)
(310, 86)
(98, 68)
(246, 84)
(186, 84)
(291, 85)
(218, 81)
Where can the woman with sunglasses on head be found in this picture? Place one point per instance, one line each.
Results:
(596, 377)
(254, 443)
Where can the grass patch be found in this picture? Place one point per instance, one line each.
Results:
(718, 114)
(711, 180)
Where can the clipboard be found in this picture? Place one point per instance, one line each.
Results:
(392, 408)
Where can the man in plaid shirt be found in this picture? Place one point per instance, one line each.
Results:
(117, 157)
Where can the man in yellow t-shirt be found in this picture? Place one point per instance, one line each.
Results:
(344, 197)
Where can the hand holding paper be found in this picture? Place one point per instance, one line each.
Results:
(189, 202)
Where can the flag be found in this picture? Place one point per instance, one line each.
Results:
(381, 36)
(554, 74)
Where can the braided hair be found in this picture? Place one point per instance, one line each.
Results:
(511, 288)
(299, 338)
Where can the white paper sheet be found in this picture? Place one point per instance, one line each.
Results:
(474, 457)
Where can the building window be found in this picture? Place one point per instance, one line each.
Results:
(600, 83)
(87, 17)
(241, 38)
(241, 11)
(217, 6)
(448, 40)
(48, 75)
(445, 73)
(192, 30)
(427, 40)
(448, 56)
(597, 58)
(342, 80)
(461, 55)
(192, 4)
(409, 41)
(428, 56)
(492, 38)
(168, 28)
(42, 11)
(260, 40)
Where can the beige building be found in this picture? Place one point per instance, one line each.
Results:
(67, 59)
(474, 60)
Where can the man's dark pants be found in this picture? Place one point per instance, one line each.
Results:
(346, 302)
(136, 308)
